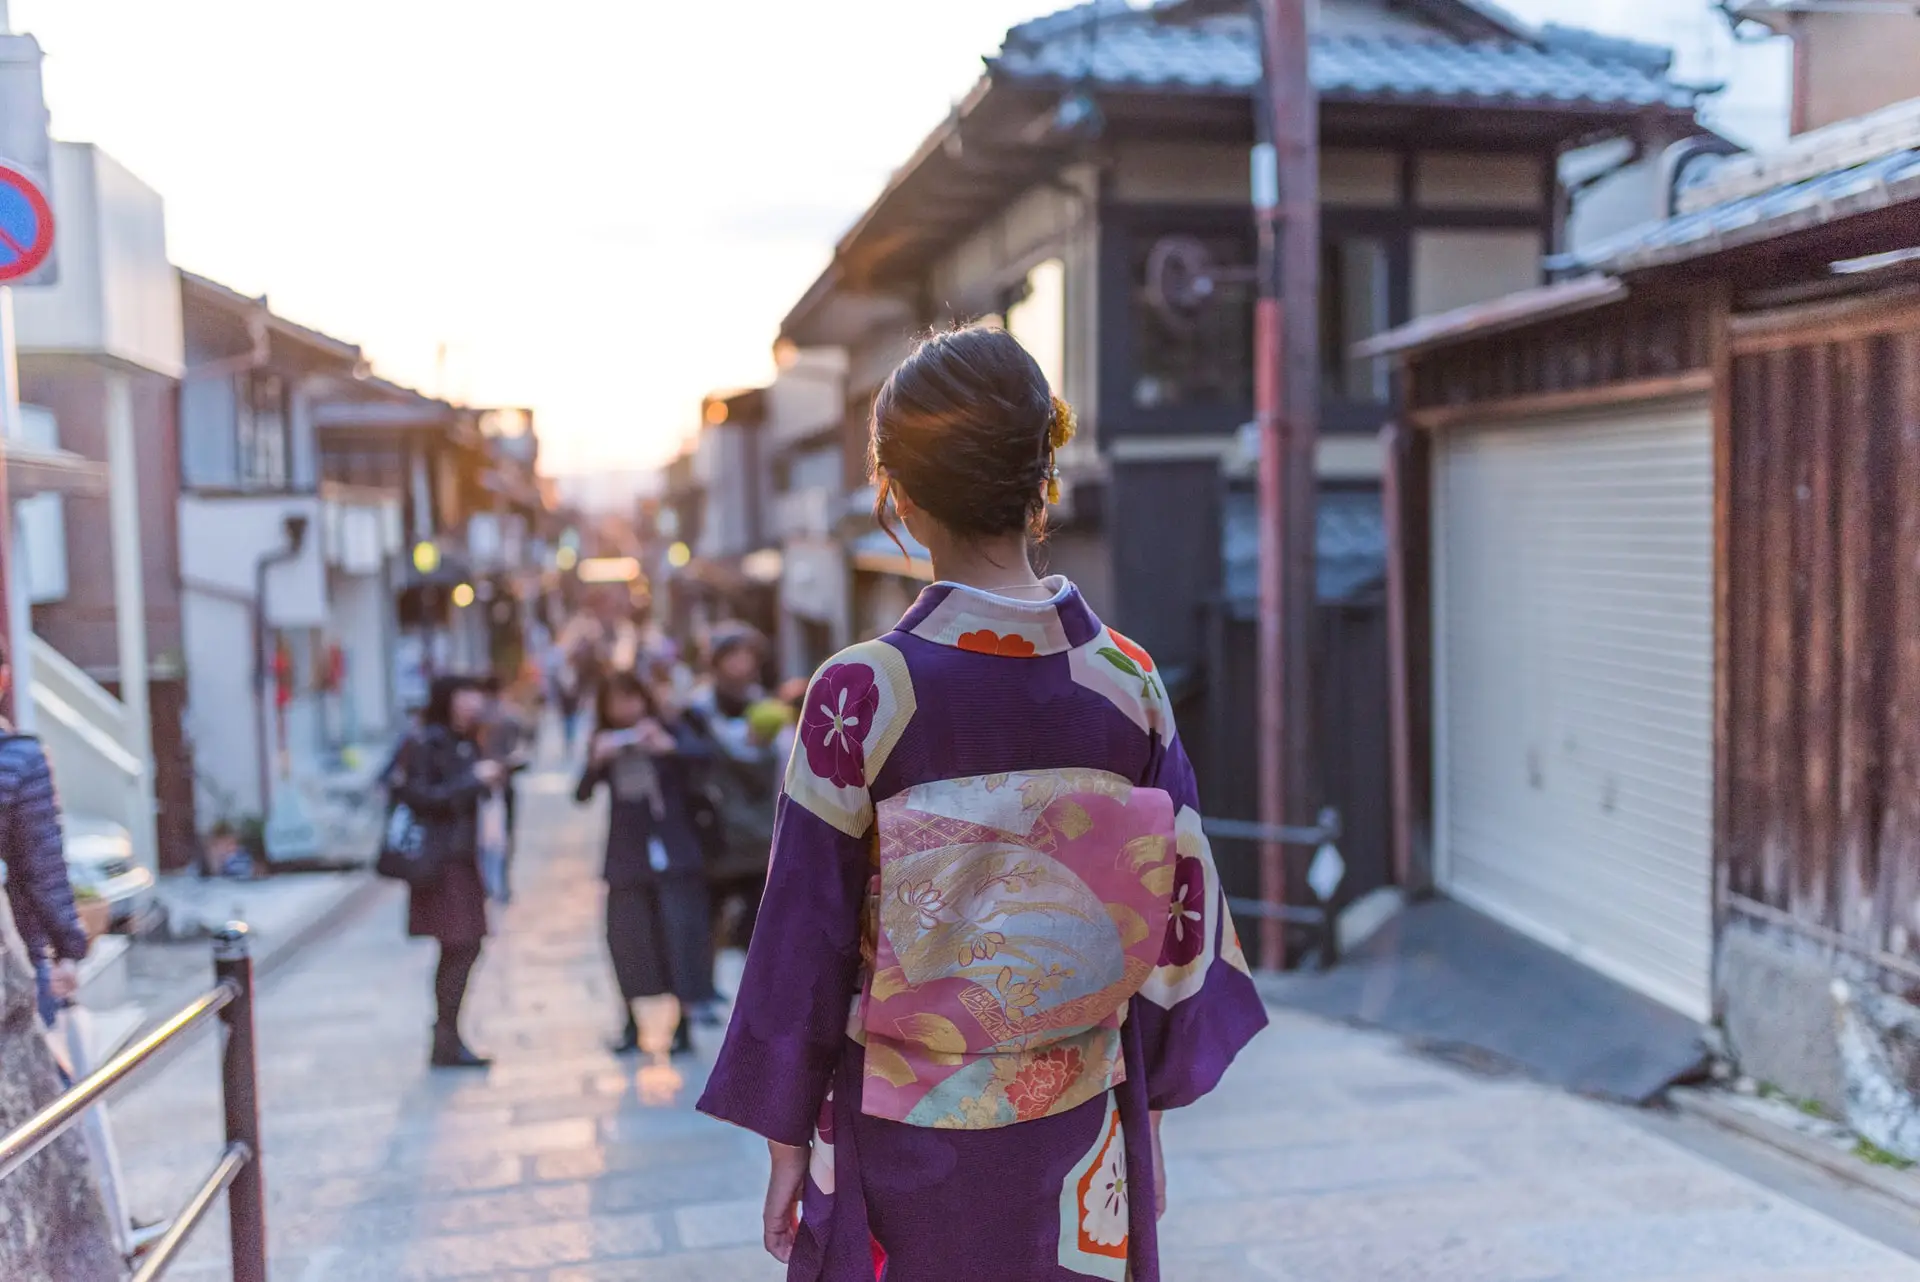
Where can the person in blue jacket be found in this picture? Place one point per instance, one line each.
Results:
(34, 852)
(53, 1221)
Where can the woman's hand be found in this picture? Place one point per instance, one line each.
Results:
(64, 979)
(604, 749)
(488, 773)
(1159, 1171)
(784, 1185)
(654, 738)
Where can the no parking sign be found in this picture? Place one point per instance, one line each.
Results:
(26, 224)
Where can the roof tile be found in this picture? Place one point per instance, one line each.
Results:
(1105, 46)
(1844, 191)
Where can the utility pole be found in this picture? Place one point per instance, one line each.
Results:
(1286, 183)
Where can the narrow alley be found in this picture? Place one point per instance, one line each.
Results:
(1329, 1154)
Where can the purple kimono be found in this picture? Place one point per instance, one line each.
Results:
(993, 940)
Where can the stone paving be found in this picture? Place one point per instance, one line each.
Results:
(1330, 1156)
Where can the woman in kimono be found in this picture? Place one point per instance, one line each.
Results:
(994, 947)
(659, 930)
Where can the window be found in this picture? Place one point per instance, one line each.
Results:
(1193, 320)
(369, 466)
(260, 402)
(1353, 307)
(1038, 318)
(1457, 268)
(1350, 553)
(819, 468)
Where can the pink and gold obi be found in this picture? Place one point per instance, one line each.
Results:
(1013, 918)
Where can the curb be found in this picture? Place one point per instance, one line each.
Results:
(1896, 1185)
(353, 900)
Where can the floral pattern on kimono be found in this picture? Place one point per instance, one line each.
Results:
(1095, 1205)
(854, 713)
(907, 1010)
(1017, 916)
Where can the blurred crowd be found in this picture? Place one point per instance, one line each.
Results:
(689, 747)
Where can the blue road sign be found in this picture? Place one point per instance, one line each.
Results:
(26, 225)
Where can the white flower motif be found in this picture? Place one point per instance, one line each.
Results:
(843, 725)
(1180, 913)
(1104, 1205)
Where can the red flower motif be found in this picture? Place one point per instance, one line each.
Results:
(1011, 646)
(1186, 915)
(1132, 651)
(839, 715)
(1042, 1080)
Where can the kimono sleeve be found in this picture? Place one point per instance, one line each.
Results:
(1199, 1007)
(789, 1026)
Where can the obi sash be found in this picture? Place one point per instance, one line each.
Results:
(1012, 919)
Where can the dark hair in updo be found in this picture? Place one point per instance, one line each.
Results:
(964, 425)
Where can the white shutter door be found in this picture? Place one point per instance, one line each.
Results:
(1574, 673)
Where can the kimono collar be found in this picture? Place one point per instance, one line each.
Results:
(966, 618)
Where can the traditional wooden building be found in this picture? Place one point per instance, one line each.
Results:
(1659, 663)
(1092, 194)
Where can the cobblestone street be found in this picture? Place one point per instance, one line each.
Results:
(1330, 1156)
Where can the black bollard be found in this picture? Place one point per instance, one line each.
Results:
(239, 1085)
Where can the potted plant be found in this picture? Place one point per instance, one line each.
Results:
(96, 914)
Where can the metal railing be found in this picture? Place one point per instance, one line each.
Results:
(238, 1172)
(1321, 915)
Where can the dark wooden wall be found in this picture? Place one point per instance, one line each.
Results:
(1644, 338)
(1163, 526)
(1820, 821)
(1350, 727)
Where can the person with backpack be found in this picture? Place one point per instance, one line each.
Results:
(53, 1220)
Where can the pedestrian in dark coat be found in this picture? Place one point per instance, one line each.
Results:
(440, 776)
(659, 922)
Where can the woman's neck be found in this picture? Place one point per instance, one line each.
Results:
(998, 565)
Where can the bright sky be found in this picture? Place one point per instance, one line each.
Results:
(600, 209)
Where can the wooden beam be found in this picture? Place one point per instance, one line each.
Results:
(1694, 382)
(1832, 321)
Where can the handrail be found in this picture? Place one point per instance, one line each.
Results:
(1326, 828)
(1321, 914)
(237, 1174)
(51, 1122)
(160, 1256)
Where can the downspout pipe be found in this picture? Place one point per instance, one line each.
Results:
(296, 531)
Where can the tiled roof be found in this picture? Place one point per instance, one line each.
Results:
(1116, 47)
(1856, 167)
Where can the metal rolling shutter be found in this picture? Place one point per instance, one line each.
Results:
(1574, 674)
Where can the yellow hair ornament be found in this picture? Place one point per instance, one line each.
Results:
(1053, 487)
(1063, 426)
